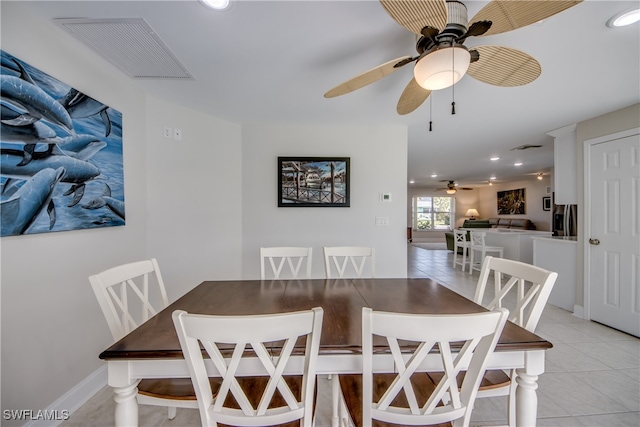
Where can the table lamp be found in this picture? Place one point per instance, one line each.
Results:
(472, 214)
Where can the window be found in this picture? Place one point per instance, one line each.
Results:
(432, 213)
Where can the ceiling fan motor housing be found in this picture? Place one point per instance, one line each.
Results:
(457, 20)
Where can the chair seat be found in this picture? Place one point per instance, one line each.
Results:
(182, 389)
(254, 389)
(173, 388)
(493, 379)
(351, 386)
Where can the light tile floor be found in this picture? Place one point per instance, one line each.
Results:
(592, 373)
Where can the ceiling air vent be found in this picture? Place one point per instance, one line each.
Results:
(128, 43)
(526, 147)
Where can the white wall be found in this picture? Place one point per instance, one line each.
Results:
(194, 197)
(52, 327)
(378, 164)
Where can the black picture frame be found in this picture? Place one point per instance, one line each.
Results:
(546, 203)
(314, 182)
(512, 202)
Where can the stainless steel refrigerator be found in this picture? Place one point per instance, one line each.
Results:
(565, 220)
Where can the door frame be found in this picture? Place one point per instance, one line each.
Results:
(586, 211)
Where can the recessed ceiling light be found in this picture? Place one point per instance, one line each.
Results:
(434, 175)
(412, 182)
(216, 4)
(492, 178)
(624, 18)
(494, 158)
(518, 164)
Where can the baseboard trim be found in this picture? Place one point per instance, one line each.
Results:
(428, 240)
(578, 311)
(67, 404)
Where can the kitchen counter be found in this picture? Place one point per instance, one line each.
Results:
(559, 238)
(517, 244)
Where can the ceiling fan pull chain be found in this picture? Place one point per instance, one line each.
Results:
(430, 113)
(453, 86)
(453, 100)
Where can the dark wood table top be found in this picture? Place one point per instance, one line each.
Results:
(341, 299)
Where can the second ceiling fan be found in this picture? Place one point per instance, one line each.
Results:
(452, 187)
(443, 59)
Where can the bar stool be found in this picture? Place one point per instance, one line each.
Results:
(460, 242)
(478, 245)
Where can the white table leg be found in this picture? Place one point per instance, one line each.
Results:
(126, 405)
(526, 399)
(527, 384)
(335, 399)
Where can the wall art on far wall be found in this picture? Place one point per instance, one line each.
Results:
(511, 202)
(61, 155)
(313, 181)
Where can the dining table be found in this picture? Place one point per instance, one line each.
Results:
(153, 351)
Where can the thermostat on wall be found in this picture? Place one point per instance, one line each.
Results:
(385, 197)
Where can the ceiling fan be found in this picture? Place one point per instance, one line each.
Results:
(452, 187)
(442, 28)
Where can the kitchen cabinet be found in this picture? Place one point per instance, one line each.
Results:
(559, 254)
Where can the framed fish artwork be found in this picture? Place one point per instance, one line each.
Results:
(61, 165)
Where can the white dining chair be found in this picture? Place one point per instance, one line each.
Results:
(460, 243)
(267, 396)
(349, 261)
(479, 247)
(129, 294)
(524, 290)
(294, 258)
(408, 396)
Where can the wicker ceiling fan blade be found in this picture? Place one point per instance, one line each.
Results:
(508, 15)
(366, 78)
(504, 66)
(414, 15)
(412, 97)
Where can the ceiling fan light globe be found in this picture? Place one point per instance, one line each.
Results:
(442, 68)
(451, 191)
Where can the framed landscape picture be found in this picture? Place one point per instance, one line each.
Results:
(313, 181)
(511, 202)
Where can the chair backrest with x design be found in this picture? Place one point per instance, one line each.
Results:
(291, 257)
(232, 342)
(348, 261)
(477, 238)
(129, 295)
(532, 286)
(462, 340)
(460, 238)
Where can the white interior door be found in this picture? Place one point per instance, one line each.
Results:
(613, 251)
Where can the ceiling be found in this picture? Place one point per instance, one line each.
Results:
(272, 61)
